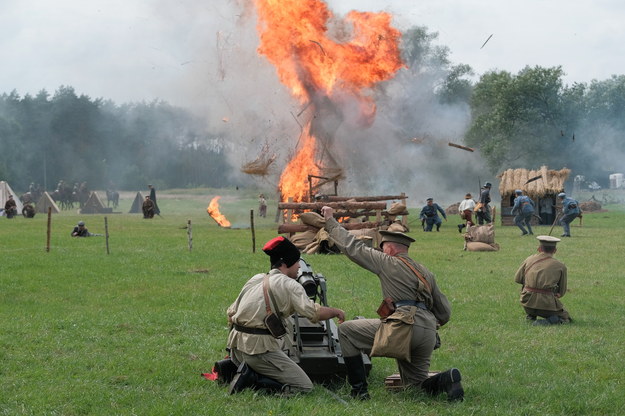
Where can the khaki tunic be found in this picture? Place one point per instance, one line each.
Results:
(543, 272)
(398, 282)
(249, 311)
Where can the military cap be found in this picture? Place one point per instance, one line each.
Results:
(430, 199)
(561, 195)
(395, 237)
(81, 223)
(547, 240)
(281, 250)
(487, 185)
(518, 192)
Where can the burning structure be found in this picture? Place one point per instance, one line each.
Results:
(331, 78)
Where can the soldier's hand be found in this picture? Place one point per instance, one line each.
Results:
(340, 316)
(327, 212)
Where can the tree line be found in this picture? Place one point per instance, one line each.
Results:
(45, 139)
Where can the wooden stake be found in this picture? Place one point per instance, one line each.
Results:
(253, 232)
(106, 234)
(190, 234)
(49, 229)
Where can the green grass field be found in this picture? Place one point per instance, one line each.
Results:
(84, 332)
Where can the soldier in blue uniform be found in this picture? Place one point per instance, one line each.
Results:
(482, 208)
(523, 209)
(570, 211)
(429, 214)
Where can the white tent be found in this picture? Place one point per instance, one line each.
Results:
(46, 201)
(5, 191)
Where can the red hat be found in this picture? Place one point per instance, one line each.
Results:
(281, 250)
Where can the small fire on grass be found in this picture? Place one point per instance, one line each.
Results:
(213, 211)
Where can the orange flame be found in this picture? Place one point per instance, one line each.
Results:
(294, 37)
(213, 211)
(294, 178)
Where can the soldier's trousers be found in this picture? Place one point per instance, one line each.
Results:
(483, 217)
(522, 219)
(562, 313)
(357, 336)
(276, 365)
(565, 221)
(431, 221)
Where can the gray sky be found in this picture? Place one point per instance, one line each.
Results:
(133, 50)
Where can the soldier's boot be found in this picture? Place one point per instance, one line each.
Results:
(447, 382)
(460, 227)
(551, 320)
(225, 370)
(438, 228)
(270, 385)
(244, 378)
(357, 377)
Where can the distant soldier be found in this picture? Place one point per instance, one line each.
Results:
(570, 211)
(465, 209)
(28, 211)
(80, 230)
(262, 206)
(10, 207)
(148, 208)
(524, 210)
(544, 282)
(157, 210)
(482, 208)
(429, 214)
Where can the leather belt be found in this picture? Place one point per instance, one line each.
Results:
(410, 303)
(534, 290)
(255, 331)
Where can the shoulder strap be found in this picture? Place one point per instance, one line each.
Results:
(536, 262)
(267, 291)
(419, 275)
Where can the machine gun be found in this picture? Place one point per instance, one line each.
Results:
(316, 348)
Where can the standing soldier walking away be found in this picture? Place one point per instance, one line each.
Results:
(544, 283)
(482, 208)
(570, 211)
(262, 206)
(157, 210)
(418, 302)
(524, 209)
(465, 209)
(429, 214)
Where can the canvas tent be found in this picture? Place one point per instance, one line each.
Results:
(541, 185)
(46, 201)
(5, 191)
(94, 205)
(137, 204)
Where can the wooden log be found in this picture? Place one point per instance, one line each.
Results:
(461, 147)
(333, 198)
(336, 205)
(300, 228)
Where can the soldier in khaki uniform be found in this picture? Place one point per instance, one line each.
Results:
(261, 358)
(544, 283)
(417, 299)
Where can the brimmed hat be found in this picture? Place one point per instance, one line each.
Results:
(395, 237)
(281, 250)
(467, 196)
(547, 240)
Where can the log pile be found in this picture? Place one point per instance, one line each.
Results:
(357, 214)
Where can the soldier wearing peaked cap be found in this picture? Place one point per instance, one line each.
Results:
(543, 280)
(429, 214)
(482, 208)
(260, 358)
(418, 303)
